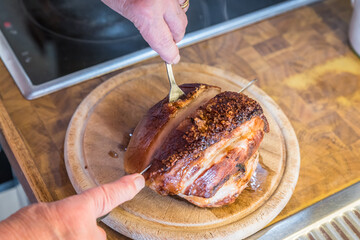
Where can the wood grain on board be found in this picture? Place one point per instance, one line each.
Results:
(313, 76)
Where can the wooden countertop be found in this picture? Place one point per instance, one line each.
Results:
(303, 61)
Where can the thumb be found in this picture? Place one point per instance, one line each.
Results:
(104, 198)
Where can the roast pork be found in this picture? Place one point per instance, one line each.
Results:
(203, 147)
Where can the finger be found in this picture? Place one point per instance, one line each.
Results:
(100, 233)
(101, 200)
(176, 20)
(115, 5)
(157, 34)
(148, 18)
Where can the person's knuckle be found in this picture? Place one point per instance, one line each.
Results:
(128, 189)
(179, 34)
(39, 208)
(107, 198)
(142, 9)
(179, 28)
(185, 22)
(34, 210)
(142, 26)
(165, 42)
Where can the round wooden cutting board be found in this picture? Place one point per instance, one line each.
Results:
(100, 131)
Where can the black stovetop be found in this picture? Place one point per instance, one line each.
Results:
(52, 39)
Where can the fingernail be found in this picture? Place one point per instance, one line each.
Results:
(139, 182)
(176, 60)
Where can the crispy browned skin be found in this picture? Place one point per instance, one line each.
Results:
(227, 117)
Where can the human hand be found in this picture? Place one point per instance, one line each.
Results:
(162, 23)
(73, 217)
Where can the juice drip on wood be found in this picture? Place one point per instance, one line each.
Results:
(122, 147)
(126, 139)
(258, 179)
(113, 154)
(257, 188)
(254, 184)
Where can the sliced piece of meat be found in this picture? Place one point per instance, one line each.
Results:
(149, 134)
(230, 190)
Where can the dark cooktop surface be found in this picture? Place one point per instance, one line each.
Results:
(48, 45)
(55, 38)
